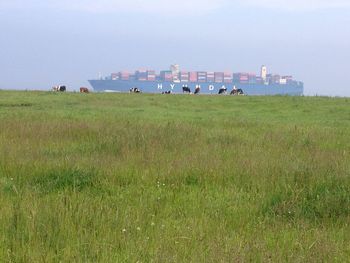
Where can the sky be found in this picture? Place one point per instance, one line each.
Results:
(48, 42)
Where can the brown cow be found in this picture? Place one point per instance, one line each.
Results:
(84, 90)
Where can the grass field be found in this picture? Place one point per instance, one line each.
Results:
(172, 178)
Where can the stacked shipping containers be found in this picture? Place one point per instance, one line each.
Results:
(115, 76)
(141, 75)
(166, 75)
(219, 77)
(202, 76)
(184, 76)
(243, 77)
(252, 78)
(151, 75)
(227, 77)
(275, 79)
(124, 75)
(289, 79)
(193, 77)
(259, 80)
(236, 77)
(210, 77)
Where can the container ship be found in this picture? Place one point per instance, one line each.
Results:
(175, 80)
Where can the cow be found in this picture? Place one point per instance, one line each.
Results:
(84, 90)
(135, 90)
(186, 89)
(197, 90)
(166, 92)
(237, 92)
(59, 88)
(222, 91)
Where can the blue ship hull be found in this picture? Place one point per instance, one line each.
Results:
(293, 89)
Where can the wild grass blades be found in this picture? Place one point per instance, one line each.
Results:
(151, 178)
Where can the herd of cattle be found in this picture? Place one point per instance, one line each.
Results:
(185, 89)
(63, 89)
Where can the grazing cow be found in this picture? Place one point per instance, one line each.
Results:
(59, 88)
(237, 92)
(62, 88)
(166, 92)
(222, 91)
(197, 90)
(84, 90)
(186, 89)
(135, 90)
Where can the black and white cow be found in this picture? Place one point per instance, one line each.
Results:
(59, 88)
(222, 91)
(237, 92)
(135, 90)
(186, 89)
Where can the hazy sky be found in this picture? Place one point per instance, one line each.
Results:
(49, 42)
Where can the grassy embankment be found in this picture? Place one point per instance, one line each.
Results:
(129, 177)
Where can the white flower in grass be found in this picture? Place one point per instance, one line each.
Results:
(124, 230)
(138, 228)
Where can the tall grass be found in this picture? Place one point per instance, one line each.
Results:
(151, 178)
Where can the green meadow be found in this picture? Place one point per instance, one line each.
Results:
(173, 178)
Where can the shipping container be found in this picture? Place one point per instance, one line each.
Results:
(219, 77)
(193, 77)
(151, 75)
(210, 76)
(235, 77)
(115, 76)
(141, 75)
(283, 81)
(287, 77)
(166, 75)
(228, 77)
(202, 76)
(184, 77)
(124, 75)
(276, 79)
(252, 78)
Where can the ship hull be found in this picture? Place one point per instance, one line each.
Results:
(293, 89)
